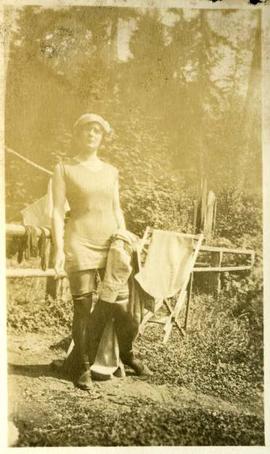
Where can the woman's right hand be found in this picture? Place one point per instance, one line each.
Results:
(59, 263)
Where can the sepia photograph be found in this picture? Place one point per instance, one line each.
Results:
(134, 136)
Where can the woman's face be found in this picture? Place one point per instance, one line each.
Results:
(90, 136)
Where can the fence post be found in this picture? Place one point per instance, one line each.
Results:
(215, 278)
(51, 287)
(204, 221)
(189, 293)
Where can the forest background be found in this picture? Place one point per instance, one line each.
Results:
(181, 89)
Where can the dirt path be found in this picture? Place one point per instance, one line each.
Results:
(50, 411)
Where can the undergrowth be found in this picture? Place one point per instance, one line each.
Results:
(221, 355)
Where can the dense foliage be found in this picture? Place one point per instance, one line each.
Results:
(180, 88)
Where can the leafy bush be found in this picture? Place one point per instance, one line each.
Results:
(239, 217)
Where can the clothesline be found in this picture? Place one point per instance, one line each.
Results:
(28, 161)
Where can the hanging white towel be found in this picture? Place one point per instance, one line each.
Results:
(167, 264)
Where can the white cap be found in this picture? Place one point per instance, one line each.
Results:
(92, 118)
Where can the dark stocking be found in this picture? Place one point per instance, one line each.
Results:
(80, 329)
(126, 331)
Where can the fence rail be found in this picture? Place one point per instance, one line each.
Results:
(19, 230)
(31, 272)
(215, 267)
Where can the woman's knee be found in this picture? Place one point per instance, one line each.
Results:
(82, 304)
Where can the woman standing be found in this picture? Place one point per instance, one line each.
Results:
(81, 246)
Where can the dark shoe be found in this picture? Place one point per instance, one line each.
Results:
(57, 364)
(120, 372)
(84, 381)
(146, 371)
(100, 376)
(139, 368)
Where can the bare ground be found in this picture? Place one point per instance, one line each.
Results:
(49, 411)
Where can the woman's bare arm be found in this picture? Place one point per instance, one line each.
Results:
(58, 217)
(117, 208)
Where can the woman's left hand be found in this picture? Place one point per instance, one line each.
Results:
(59, 264)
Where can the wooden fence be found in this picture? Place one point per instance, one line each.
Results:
(216, 264)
